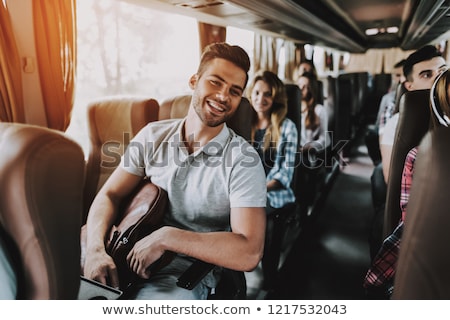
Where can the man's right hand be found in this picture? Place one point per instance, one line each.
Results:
(100, 267)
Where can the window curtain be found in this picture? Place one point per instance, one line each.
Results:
(55, 34)
(371, 61)
(11, 98)
(209, 33)
(290, 53)
(376, 60)
(392, 56)
(265, 54)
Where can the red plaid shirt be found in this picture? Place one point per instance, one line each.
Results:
(382, 271)
(407, 177)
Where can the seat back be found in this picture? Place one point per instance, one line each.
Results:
(42, 178)
(413, 123)
(177, 107)
(330, 101)
(398, 95)
(423, 264)
(343, 108)
(320, 97)
(362, 81)
(294, 101)
(112, 123)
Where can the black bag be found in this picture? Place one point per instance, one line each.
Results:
(141, 213)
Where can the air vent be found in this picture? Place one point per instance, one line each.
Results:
(430, 17)
(263, 22)
(199, 4)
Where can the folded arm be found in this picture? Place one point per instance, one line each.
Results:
(241, 249)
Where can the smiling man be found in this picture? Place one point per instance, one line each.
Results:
(216, 208)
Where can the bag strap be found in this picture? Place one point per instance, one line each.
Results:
(194, 274)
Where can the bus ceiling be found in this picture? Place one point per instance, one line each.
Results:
(348, 25)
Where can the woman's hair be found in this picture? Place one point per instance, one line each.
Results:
(311, 120)
(222, 50)
(298, 73)
(278, 109)
(439, 100)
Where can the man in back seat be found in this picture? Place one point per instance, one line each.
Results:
(420, 69)
(214, 179)
(382, 272)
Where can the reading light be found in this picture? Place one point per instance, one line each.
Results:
(372, 31)
(392, 29)
(375, 31)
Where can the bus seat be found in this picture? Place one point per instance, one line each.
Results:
(330, 101)
(112, 123)
(352, 93)
(423, 264)
(294, 101)
(413, 123)
(41, 178)
(365, 82)
(381, 85)
(321, 95)
(343, 110)
(398, 95)
(333, 157)
(177, 107)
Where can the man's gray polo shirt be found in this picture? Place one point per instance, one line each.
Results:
(202, 186)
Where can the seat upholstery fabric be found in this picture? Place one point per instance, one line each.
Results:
(112, 123)
(41, 178)
(413, 123)
(424, 263)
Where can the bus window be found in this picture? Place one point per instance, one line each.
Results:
(243, 38)
(125, 49)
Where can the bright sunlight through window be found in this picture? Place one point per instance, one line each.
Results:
(125, 49)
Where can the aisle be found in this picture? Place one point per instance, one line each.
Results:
(331, 256)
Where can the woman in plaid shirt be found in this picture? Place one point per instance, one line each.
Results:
(275, 138)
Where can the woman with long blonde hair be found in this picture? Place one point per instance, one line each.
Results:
(275, 138)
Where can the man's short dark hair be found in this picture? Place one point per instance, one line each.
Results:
(222, 50)
(425, 53)
(399, 64)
